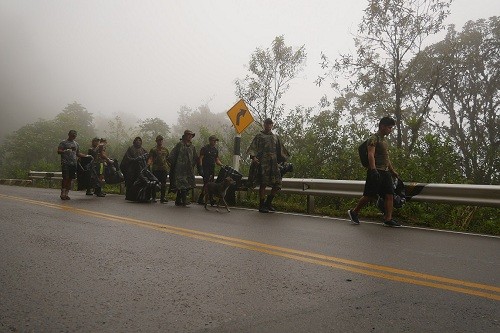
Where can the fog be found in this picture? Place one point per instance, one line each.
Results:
(149, 58)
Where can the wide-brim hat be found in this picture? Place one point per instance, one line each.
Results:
(186, 132)
(213, 137)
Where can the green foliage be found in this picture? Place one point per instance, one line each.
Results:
(271, 71)
(434, 160)
(390, 34)
(118, 136)
(150, 128)
(468, 64)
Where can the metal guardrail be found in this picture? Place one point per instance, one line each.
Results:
(464, 194)
(50, 176)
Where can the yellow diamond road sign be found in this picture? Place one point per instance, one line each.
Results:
(240, 116)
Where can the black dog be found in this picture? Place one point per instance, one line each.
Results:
(218, 190)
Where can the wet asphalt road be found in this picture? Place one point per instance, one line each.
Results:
(106, 265)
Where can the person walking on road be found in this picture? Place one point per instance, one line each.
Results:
(69, 151)
(209, 157)
(266, 152)
(183, 160)
(379, 174)
(160, 167)
(93, 185)
(131, 166)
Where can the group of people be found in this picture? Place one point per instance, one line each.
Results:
(147, 172)
(177, 166)
(92, 165)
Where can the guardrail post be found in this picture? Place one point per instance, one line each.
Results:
(310, 204)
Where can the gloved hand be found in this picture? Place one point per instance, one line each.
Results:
(374, 174)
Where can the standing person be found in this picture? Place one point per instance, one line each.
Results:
(160, 167)
(266, 151)
(183, 159)
(69, 151)
(131, 167)
(209, 157)
(102, 160)
(379, 174)
(93, 183)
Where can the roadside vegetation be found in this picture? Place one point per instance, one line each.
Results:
(444, 97)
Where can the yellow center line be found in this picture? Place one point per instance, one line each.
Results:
(384, 272)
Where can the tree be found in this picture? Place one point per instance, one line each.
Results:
(390, 35)
(204, 123)
(150, 128)
(469, 97)
(119, 137)
(75, 116)
(271, 72)
(34, 146)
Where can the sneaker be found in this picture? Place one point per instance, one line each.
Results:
(89, 193)
(392, 223)
(353, 216)
(271, 209)
(163, 200)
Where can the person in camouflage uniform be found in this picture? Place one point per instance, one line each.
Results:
(182, 160)
(131, 167)
(160, 167)
(266, 152)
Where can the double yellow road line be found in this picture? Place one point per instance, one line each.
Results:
(383, 272)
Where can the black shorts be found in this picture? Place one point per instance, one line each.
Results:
(381, 186)
(161, 175)
(68, 171)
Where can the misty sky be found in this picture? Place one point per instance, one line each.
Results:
(149, 58)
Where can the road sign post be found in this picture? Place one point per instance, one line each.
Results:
(241, 118)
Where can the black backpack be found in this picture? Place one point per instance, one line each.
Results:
(363, 153)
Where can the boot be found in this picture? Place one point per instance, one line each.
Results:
(268, 203)
(262, 207)
(98, 192)
(178, 198)
(184, 200)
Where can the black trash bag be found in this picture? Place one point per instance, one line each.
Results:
(253, 174)
(285, 167)
(227, 171)
(113, 174)
(144, 186)
(399, 196)
(85, 173)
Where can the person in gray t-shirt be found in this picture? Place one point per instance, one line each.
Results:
(69, 151)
